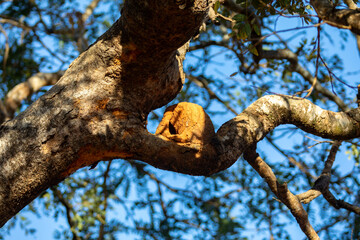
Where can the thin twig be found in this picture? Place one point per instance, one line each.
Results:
(68, 209)
(105, 192)
(317, 61)
(301, 166)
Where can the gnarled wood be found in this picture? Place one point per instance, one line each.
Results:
(107, 91)
(98, 110)
(340, 18)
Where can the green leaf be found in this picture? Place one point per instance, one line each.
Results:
(216, 6)
(239, 17)
(247, 29)
(242, 33)
(256, 29)
(253, 50)
(233, 74)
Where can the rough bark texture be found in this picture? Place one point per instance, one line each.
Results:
(237, 135)
(341, 18)
(98, 110)
(106, 92)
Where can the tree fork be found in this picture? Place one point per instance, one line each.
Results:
(108, 90)
(98, 110)
(197, 150)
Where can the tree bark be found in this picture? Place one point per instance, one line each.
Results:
(340, 18)
(98, 110)
(107, 91)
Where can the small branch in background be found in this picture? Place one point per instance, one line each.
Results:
(201, 82)
(317, 142)
(291, 57)
(105, 193)
(296, 67)
(170, 188)
(302, 166)
(47, 49)
(162, 203)
(333, 75)
(308, 196)
(282, 193)
(5, 19)
(24, 90)
(212, 16)
(68, 209)
(209, 44)
(332, 223)
(317, 61)
(321, 185)
(7, 50)
(90, 10)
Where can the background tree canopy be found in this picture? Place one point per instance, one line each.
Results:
(246, 49)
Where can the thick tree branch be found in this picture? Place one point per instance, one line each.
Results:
(353, 6)
(98, 110)
(107, 91)
(207, 153)
(340, 18)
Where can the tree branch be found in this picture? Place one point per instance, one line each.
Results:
(68, 210)
(296, 67)
(98, 110)
(302, 166)
(353, 6)
(203, 83)
(107, 91)
(281, 191)
(105, 201)
(322, 183)
(89, 10)
(340, 18)
(207, 153)
(24, 90)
